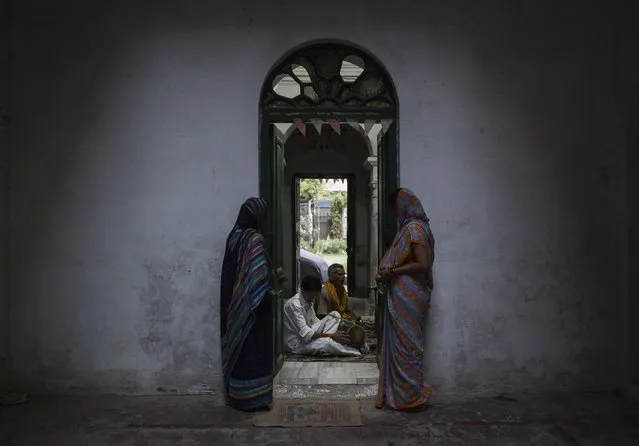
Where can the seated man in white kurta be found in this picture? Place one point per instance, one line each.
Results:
(304, 333)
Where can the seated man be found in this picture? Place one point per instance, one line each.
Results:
(304, 333)
(334, 296)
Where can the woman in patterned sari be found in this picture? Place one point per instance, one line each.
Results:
(406, 272)
(247, 312)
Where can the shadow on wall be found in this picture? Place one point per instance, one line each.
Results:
(119, 228)
(57, 102)
(521, 308)
(74, 236)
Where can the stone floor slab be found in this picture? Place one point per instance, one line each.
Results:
(327, 373)
(574, 419)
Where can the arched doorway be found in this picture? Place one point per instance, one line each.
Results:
(317, 89)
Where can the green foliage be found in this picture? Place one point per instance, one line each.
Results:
(306, 245)
(331, 246)
(314, 189)
(311, 189)
(305, 229)
(336, 220)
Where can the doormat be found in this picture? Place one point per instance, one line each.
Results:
(319, 413)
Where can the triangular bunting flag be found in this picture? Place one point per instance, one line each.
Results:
(283, 127)
(354, 124)
(336, 126)
(318, 125)
(368, 125)
(386, 123)
(301, 126)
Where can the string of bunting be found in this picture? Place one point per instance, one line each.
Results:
(335, 124)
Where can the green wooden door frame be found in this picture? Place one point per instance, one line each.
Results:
(388, 181)
(271, 167)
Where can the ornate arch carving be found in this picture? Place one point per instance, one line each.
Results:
(328, 76)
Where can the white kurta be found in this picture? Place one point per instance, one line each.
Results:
(301, 323)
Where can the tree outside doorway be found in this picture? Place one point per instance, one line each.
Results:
(323, 218)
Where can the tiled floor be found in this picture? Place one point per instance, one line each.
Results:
(327, 373)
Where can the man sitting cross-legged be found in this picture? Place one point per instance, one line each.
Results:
(304, 333)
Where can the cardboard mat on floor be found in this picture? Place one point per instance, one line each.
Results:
(319, 413)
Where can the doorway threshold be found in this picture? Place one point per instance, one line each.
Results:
(329, 392)
(328, 373)
(369, 358)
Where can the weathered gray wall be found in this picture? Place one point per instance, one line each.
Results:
(136, 140)
(4, 194)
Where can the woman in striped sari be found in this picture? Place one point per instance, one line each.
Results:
(247, 312)
(406, 272)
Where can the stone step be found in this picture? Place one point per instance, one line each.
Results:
(328, 373)
(326, 391)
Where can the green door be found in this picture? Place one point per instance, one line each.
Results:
(388, 181)
(272, 190)
(350, 236)
(297, 229)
